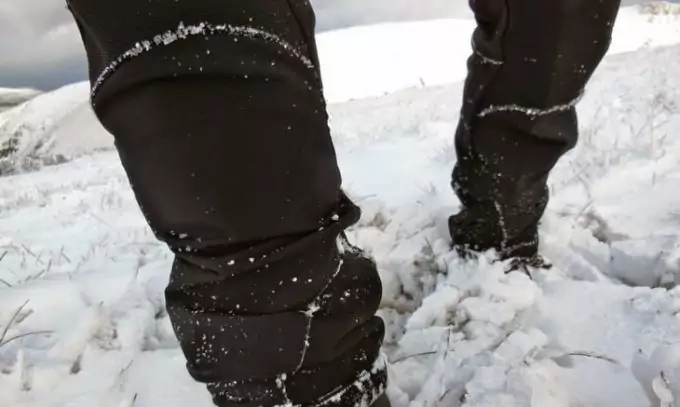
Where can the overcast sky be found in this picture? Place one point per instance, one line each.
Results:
(40, 46)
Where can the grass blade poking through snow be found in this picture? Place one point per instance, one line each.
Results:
(4, 340)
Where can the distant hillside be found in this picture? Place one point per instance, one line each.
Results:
(12, 97)
(50, 128)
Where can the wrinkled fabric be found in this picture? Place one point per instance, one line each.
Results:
(531, 62)
(219, 119)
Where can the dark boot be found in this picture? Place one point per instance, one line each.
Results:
(219, 119)
(481, 231)
(531, 62)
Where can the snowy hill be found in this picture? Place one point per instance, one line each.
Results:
(81, 276)
(10, 97)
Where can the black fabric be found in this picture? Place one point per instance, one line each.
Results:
(225, 141)
(112, 28)
(531, 54)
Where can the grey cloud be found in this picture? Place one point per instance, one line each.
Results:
(39, 44)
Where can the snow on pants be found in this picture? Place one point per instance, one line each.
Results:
(531, 62)
(219, 119)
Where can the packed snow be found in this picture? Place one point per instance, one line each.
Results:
(82, 320)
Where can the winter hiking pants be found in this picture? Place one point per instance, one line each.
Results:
(220, 123)
(219, 119)
(531, 62)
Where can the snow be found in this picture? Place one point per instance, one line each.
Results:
(599, 329)
(54, 126)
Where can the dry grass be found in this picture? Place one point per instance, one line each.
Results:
(661, 8)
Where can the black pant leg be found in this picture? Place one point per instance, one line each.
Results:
(233, 166)
(532, 61)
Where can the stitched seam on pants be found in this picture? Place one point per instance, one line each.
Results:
(308, 36)
(183, 32)
(502, 39)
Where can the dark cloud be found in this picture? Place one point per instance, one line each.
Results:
(45, 76)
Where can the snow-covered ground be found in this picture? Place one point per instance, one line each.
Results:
(81, 277)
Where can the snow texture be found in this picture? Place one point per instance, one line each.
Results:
(82, 318)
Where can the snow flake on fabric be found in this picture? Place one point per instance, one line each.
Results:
(530, 111)
(183, 32)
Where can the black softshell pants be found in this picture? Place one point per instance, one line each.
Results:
(219, 119)
(530, 65)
